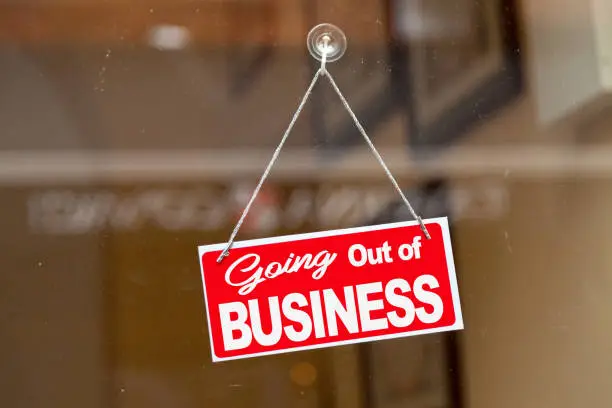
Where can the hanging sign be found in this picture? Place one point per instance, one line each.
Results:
(307, 291)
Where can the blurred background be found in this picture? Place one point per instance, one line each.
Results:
(132, 131)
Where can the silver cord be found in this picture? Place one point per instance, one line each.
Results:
(322, 71)
(377, 155)
(269, 167)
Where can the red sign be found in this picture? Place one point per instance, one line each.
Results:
(308, 291)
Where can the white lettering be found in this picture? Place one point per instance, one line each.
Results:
(429, 298)
(405, 252)
(250, 264)
(277, 328)
(416, 247)
(247, 285)
(298, 316)
(333, 308)
(401, 302)
(229, 326)
(317, 314)
(366, 306)
(386, 249)
(361, 253)
(320, 311)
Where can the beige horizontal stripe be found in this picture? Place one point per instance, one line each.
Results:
(26, 167)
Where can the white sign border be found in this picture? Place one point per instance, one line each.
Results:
(450, 263)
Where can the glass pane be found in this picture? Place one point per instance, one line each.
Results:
(133, 132)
